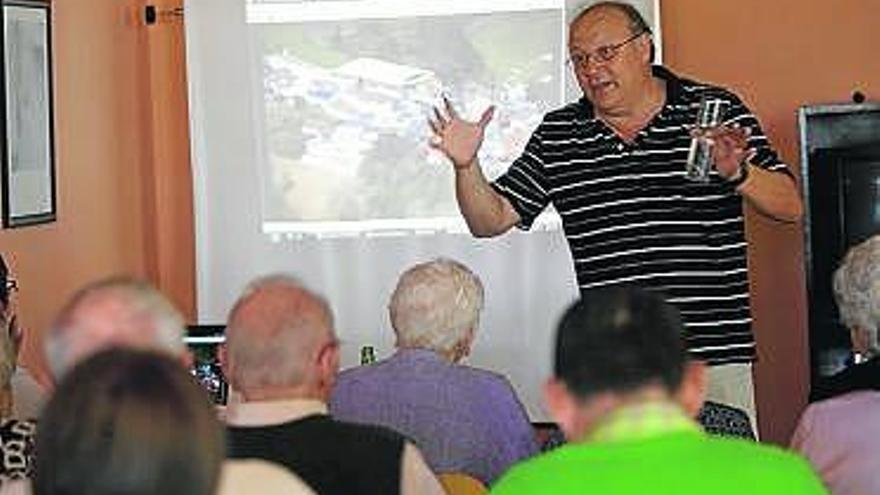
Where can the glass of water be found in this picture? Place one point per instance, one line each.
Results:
(699, 162)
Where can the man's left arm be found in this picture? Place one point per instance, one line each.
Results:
(743, 156)
(773, 194)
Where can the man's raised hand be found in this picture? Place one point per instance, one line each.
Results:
(458, 139)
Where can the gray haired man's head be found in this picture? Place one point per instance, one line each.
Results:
(281, 342)
(115, 312)
(436, 306)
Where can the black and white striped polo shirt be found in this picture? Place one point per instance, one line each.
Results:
(631, 216)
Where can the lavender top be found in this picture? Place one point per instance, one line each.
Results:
(463, 419)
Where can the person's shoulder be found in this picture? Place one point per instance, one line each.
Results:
(358, 376)
(539, 472)
(567, 113)
(850, 405)
(257, 475)
(354, 374)
(771, 467)
(484, 378)
(749, 454)
(692, 90)
(365, 431)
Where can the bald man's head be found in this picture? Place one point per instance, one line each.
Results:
(118, 312)
(278, 334)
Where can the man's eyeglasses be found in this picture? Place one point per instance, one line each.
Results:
(601, 55)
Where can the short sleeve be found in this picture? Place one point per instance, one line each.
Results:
(765, 156)
(524, 184)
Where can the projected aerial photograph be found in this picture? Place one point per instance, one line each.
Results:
(345, 106)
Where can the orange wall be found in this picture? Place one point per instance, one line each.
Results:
(172, 225)
(116, 153)
(778, 55)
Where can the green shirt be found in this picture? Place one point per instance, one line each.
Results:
(656, 449)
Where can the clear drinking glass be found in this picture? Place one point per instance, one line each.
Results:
(699, 161)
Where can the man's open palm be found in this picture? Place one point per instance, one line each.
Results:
(458, 139)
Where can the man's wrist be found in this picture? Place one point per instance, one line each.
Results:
(464, 167)
(742, 175)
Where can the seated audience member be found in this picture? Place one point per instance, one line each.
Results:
(625, 393)
(839, 435)
(464, 419)
(115, 312)
(10, 340)
(16, 435)
(126, 313)
(131, 422)
(21, 393)
(282, 357)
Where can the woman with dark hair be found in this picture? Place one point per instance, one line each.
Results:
(128, 422)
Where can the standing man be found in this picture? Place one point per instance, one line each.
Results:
(613, 166)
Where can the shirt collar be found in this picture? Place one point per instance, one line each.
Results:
(641, 421)
(272, 412)
(417, 354)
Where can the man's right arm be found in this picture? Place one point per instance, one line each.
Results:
(486, 212)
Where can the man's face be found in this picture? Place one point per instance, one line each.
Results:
(613, 83)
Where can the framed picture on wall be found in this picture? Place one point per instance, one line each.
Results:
(28, 168)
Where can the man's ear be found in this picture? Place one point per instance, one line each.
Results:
(645, 45)
(187, 359)
(328, 368)
(462, 348)
(561, 406)
(692, 392)
(222, 354)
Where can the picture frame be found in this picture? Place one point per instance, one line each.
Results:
(28, 155)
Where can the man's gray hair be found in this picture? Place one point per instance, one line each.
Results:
(637, 23)
(272, 332)
(114, 312)
(857, 290)
(435, 304)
